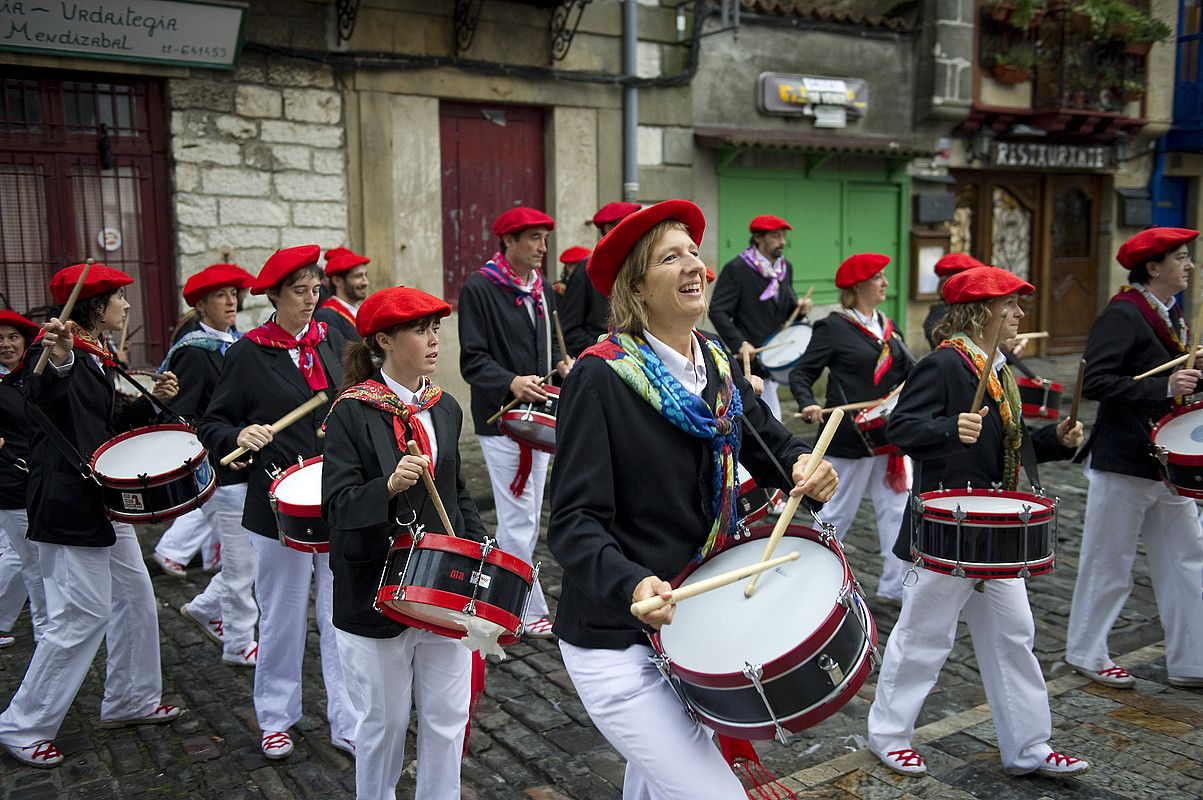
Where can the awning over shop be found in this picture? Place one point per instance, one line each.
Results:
(808, 142)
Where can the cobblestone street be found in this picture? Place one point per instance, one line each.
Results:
(531, 738)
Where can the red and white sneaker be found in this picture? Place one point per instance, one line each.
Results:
(1057, 765)
(41, 754)
(162, 714)
(277, 745)
(1114, 676)
(539, 629)
(7, 641)
(211, 628)
(904, 762)
(173, 568)
(346, 745)
(247, 658)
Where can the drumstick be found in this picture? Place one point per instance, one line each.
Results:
(515, 401)
(1073, 409)
(797, 310)
(1032, 335)
(988, 363)
(859, 404)
(1162, 368)
(708, 584)
(65, 314)
(768, 347)
(747, 363)
(791, 505)
(282, 423)
(555, 317)
(428, 479)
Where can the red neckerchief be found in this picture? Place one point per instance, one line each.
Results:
(885, 359)
(270, 334)
(1166, 336)
(84, 342)
(406, 424)
(339, 308)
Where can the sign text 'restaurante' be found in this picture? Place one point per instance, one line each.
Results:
(1053, 156)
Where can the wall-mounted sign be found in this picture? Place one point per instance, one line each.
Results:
(200, 34)
(1039, 155)
(830, 101)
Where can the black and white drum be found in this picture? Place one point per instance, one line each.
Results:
(985, 533)
(784, 349)
(296, 498)
(1178, 445)
(872, 426)
(782, 660)
(533, 424)
(754, 502)
(1041, 397)
(153, 474)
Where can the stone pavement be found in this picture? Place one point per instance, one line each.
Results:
(532, 739)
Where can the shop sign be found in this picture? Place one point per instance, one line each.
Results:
(200, 34)
(1038, 155)
(829, 101)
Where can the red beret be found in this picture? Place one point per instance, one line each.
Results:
(613, 212)
(768, 223)
(574, 254)
(340, 260)
(859, 267)
(710, 276)
(521, 218)
(214, 277)
(953, 263)
(1153, 243)
(984, 283)
(396, 306)
(14, 320)
(100, 279)
(283, 263)
(612, 250)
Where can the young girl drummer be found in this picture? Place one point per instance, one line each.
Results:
(389, 666)
(952, 445)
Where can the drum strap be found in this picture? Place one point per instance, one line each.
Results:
(154, 401)
(60, 442)
(383, 445)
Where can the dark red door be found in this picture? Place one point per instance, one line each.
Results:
(492, 160)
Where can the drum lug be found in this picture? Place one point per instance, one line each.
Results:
(959, 515)
(996, 486)
(662, 663)
(534, 581)
(834, 673)
(754, 672)
(1161, 454)
(273, 471)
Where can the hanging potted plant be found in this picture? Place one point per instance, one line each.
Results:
(1143, 32)
(1014, 65)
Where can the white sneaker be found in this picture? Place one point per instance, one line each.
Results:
(162, 714)
(276, 745)
(904, 762)
(346, 745)
(41, 754)
(173, 568)
(211, 628)
(1114, 676)
(7, 641)
(247, 658)
(1057, 765)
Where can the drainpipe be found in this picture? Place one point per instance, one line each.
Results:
(630, 103)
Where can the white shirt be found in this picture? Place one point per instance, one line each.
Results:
(352, 310)
(225, 336)
(691, 373)
(423, 417)
(872, 323)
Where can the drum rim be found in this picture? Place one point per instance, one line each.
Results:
(191, 504)
(159, 478)
(1183, 459)
(1042, 511)
(295, 509)
(425, 596)
(303, 546)
(469, 548)
(1025, 382)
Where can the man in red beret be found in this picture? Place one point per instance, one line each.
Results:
(571, 258)
(585, 314)
(225, 611)
(754, 296)
(348, 274)
(507, 350)
(1141, 328)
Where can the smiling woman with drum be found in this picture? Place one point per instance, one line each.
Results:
(95, 579)
(368, 482)
(865, 359)
(953, 443)
(648, 433)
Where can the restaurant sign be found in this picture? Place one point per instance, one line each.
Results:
(1039, 155)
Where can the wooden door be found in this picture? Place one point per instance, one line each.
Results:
(1070, 297)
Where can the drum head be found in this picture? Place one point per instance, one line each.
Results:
(1182, 434)
(790, 344)
(882, 409)
(302, 487)
(151, 452)
(129, 390)
(717, 632)
(533, 428)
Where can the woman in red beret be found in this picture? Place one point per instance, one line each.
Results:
(648, 418)
(865, 359)
(952, 446)
(1142, 327)
(95, 580)
(266, 374)
(389, 399)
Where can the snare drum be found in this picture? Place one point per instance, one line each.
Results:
(872, 426)
(296, 498)
(533, 424)
(985, 534)
(129, 391)
(754, 502)
(153, 474)
(1178, 445)
(430, 579)
(787, 349)
(782, 660)
(1041, 397)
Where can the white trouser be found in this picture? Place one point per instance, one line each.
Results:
(517, 517)
(228, 596)
(770, 397)
(1000, 622)
(384, 678)
(20, 573)
(282, 588)
(187, 535)
(92, 593)
(669, 756)
(858, 475)
(1119, 510)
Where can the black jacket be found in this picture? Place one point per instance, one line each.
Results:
(924, 427)
(14, 431)
(197, 370)
(738, 313)
(850, 356)
(498, 342)
(1121, 344)
(260, 385)
(356, 507)
(631, 496)
(333, 319)
(584, 313)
